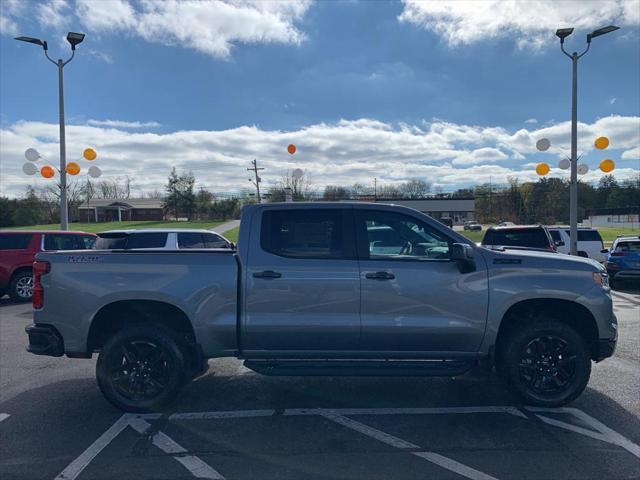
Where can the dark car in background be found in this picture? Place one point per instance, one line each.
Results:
(471, 226)
(520, 236)
(623, 259)
(18, 249)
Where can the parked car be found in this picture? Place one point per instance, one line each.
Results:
(506, 224)
(151, 238)
(623, 259)
(520, 236)
(471, 225)
(18, 249)
(590, 244)
(308, 291)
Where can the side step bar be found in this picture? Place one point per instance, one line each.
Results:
(359, 367)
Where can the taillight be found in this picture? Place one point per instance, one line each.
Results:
(40, 267)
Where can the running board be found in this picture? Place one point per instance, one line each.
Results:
(359, 367)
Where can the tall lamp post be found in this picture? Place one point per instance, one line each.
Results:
(563, 33)
(74, 39)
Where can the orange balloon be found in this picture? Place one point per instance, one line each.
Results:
(89, 154)
(291, 148)
(47, 171)
(601, 143)
(542, 169)
(73, 168)
(607, 165)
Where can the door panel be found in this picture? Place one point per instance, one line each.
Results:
(413, 297)
(302, 284)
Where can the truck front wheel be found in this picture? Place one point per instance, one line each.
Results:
(547, 363)
(141, 368)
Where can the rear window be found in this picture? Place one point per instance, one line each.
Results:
(531, 238)
(147, 240)
(628, 247)
(56, 241)
(555, 234)
(588, 236)
(313, 233)
(18, 241)
(201, 240)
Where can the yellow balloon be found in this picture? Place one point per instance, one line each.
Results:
(73, 168)
(89, 154)
(542, 169)
(601, 143)
(607, 165)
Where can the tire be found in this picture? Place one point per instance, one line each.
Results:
(142, 368)
(557, 349)
(21, 286)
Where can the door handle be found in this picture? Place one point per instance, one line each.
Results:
(267, 274)
(380, 275)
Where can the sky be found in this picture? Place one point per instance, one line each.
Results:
(454, 93)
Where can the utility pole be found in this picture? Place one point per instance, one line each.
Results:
(257, 181)
(375, 189)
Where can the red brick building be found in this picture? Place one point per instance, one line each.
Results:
(130, 209)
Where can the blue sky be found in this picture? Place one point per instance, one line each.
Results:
(395, 90)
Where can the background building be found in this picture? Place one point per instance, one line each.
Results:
(114, 210)
(614, 217)
(458, 210)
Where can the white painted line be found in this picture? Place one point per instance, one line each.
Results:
(574, 428)
(611, 436)
(432, 457)
(80, 463)
(625, 296)
(405, 411)
(229, 414)
(371, 432)
(4, 416)
(197, 467)
(454, 466)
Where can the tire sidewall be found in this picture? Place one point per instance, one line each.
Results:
(165, 340)
(547, 327)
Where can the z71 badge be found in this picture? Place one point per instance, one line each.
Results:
(84, 258)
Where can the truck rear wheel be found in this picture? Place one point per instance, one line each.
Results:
(547, 363)
(141, 368)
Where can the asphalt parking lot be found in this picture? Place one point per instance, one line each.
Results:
(235, 424)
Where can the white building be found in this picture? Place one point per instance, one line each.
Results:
(627, 217)
(449, 210)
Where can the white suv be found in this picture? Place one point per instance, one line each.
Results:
(590, 243)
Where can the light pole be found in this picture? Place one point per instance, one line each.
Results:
(563, 33)
(74, 39)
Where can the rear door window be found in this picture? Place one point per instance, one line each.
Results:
(190, 240)
(147, 240)
(54, 241)
(17, 241)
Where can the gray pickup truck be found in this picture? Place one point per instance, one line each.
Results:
(326, 289)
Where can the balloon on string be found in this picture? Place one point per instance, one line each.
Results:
(94, 172)
(29, 168)
(583, 168)
(31, 154)
(564, 164)
(607, 165)
(543, 144)
(89, 154)
(291, 148)
(72, 168)
(297, 173)
(601, 143)
(542, 169)
(47, 171)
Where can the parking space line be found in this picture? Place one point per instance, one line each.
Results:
(625, 296)
(4, 416)
(405, 411)
(574, 428)
(195, 465)
(454, 466)
(218, 415)
(610, 436)
(396, 442)
(80, 463)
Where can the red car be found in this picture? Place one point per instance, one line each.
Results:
(18, 250)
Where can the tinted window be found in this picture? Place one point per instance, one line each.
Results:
(628, 247)
(190, 240)
(316, 233)
(87, 241)
(211, 240)
(396, 236)
(53, 241)
(521, 237)
(15, 241)
(588, 236)
(111, 242)
(147, 240)
(555, 234)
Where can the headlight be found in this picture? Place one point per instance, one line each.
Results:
(601, 279)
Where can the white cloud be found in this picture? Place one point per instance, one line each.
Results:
(344, 152)
(530, 23)
(212, 27)
(633, 154)
(54, 13)
(122, 124)
(531, 121)
(8, 26)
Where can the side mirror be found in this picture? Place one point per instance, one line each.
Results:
(559, 243)
(604, 250)
(462, 254)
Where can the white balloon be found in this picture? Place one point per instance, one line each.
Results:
(564, 164)
(298, 173)
(543, 144)
(94, 172)
(29, 169)
(582, 169)
(31, 154)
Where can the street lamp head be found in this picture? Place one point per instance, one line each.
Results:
(601, 31)
(35, 41)
(74, 39)
(563, 33)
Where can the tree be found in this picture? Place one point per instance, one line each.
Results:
(28, 210)
(180, 197)
(300, 188)
(333, 192)
(414, 188)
